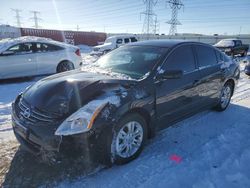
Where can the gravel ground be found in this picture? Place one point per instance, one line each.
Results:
(19, 168)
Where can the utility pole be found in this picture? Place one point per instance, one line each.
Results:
(175, 5)
(148, 25)
(17, 16)
(36, 18)
(77, 28)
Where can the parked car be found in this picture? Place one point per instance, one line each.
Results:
(112, 107)
(232, 47)
(247, 68)
(30, 56)
(114, 42)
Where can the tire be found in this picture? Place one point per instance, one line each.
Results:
(243, 54)
(225, 97)
(106, 51)
(64, 66)
(131, 128)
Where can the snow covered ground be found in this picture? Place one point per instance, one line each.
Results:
(210, 149)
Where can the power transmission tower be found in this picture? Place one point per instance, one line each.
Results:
(17, 16)
(148, 25)
(36, 19)
(175, 5)
(156, 26)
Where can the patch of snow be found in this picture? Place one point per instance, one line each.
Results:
(96, 69)
(84, 48)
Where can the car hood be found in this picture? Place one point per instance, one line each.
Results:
(67, 92)
(104, 45)
(220, 46)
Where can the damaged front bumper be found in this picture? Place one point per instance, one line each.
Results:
(40, 139)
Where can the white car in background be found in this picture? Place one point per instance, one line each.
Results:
(30, 56)
(114, 42)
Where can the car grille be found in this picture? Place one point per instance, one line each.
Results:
(32, 115)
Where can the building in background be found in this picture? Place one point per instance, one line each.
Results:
(7, 31)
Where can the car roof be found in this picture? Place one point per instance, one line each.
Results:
(6, 43)
(231, 39)
(168, 43)
(121, 36)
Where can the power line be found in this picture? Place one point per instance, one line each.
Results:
(17, 16)
(148, 25)
(175, 5)
(36, 19)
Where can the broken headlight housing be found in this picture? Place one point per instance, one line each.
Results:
(79, 122)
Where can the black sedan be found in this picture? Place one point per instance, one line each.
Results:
(110, 108)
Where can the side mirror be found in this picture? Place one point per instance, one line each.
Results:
(171, 74)
(7, 53)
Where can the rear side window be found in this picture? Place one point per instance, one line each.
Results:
(43, 47)
(126, 40)
(206, 56)
(119, 41)
(181, 58)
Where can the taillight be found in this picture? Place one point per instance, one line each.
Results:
(78, 52)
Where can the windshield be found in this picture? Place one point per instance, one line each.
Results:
(225, 43)
(109, 40)
(133, 61)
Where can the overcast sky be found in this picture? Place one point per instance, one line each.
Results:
(117, 16)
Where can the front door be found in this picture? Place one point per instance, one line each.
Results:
(21, 62)
(178, 97)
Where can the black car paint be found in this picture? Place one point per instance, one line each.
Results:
(160, 102)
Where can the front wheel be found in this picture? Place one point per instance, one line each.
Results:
(129, 138)
(225, 97)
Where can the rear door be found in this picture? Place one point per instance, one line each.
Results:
(178, 97)
(21, 63)
(48, 57)
(211, 73)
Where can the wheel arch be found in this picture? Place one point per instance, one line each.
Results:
(146, 116)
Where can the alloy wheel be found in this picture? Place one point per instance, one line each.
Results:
(129, 139)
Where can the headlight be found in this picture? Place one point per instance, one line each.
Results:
(81, 121)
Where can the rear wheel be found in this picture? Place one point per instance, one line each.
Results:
(225, 97)
(65, 66)
(129, 139)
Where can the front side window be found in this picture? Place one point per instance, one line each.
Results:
(181, 58)
(220, 57)
(237, 43)
(206, 56)
(23, 48)
(133, 39)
